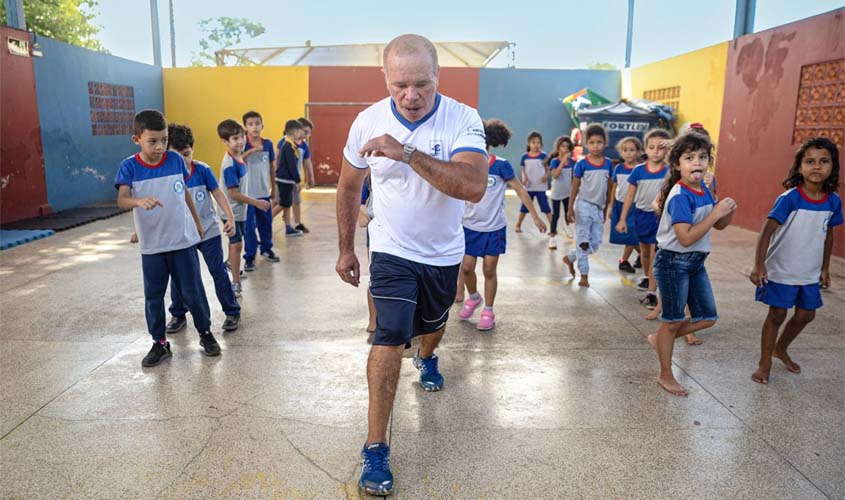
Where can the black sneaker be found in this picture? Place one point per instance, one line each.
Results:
(271, 256)
(626, 267)
(249, 265)
(301, 227)
(638, 263)
(643, 284)
(649, 301)
(229, 268)
(209, 344)
(231, 324)
(177, 324)
(158, 353)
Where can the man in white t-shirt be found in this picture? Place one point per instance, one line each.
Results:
(426, 156)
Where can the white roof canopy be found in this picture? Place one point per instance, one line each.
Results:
(450, 54)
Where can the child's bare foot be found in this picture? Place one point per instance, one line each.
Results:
(652, 340)
(517, 229)
(693, 340)
(672, 386)
(584, 282)
(652, 315)
(569, 264)
(791, 366)
(761, 376)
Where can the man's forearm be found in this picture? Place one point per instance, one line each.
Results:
(348, 202)
(457, 179)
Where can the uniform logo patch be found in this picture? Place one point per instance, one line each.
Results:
(436, 148)
(200, 195)
(491, 182)
(178, 187)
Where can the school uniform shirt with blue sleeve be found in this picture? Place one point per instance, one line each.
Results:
(489, 214)
(233, 174)
(561, 186)
(594, 180)
(258, 169)
(535, 169)
(413, 219)
(684, 205)
(796, 252)
(620, 177)
(170, 226)
(648, 185)
(201, 183)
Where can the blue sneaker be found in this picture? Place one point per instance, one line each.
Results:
(289, 232)
(376, 478)
(430, 378)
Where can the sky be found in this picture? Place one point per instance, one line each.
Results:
(547, 33)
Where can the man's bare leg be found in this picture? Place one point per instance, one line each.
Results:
(429, 342)
(383, 367)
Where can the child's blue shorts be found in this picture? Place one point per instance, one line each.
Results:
(646, 226)
(481, 243)
(774, 294)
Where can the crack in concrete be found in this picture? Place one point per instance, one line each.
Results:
(191, 461)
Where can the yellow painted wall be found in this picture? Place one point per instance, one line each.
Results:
(701, 76)
(203, 97)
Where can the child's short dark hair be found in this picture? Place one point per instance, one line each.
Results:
(229, 128)
(595, 129)
(533, 135)
(252, 114)
(635, 141)
(179, 137)
(662, 134)
(496, 133)
(305, 122)
(795, 178)
(292, 126)
(149, 119)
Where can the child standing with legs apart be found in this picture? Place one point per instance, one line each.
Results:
(689, 212)
(535, 174)
(485, 227)
(630, 149)
(793, 253)
(560, 164)
(591, 193)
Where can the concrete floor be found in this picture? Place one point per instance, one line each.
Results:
(558, 402)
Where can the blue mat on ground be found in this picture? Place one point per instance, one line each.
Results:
(12, 238)
(67, 219)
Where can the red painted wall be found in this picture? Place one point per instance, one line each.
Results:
(756, 146)
(334, 84)
(23, 189)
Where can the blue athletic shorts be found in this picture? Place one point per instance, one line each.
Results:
(481, 243)
(617, 238)
(807, 297)
(646, 226)
(239, 232)
(411, 298)
(542, 200)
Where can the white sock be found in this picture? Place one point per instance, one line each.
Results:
(475, 296)
(488, 308)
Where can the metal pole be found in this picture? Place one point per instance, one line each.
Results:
(172, 37)
(744, 19)
(156, 34)
(630, 33)
(15, 17)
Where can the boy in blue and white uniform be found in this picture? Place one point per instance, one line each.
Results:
(259, 157)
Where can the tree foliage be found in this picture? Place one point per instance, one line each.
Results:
(601, 65)
(222, 33)
(69, 21)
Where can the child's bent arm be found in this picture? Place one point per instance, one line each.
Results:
(126, 201)
(724, 222)
(557, 170)
(242, 198)
(758, 273)
(629, 201)
(689, 234)
(223, 203)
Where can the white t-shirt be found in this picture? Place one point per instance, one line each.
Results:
(534, 168)
(413, 220)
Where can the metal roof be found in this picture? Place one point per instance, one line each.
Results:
(450, 54)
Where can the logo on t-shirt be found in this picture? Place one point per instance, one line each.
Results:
(436, 148)
(491, 182)
(178, 187)
(265, 158)
(200, 195)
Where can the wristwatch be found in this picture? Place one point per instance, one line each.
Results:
(407, 151)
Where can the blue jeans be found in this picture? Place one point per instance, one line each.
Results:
(263, 221)
(589, 228)
(682, 280)
(212, 253)
(183, 266)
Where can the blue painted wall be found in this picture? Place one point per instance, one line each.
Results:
(80, 167)
(530, 99)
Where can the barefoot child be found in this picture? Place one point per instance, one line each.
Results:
(630, 149)
(793, 253)
(485, 227)
(689, 212)
(588, 201)
(560, 164)
(535, 174)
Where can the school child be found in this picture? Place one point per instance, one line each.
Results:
(535, 174)
(152, 184)
(288, 180)
(689, 212)
(259, 158)
(306, 169)
(560, 164)
(588, 202)
(630, 149)
(792, 261)
(485, 228)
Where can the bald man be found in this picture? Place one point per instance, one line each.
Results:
(426, 156)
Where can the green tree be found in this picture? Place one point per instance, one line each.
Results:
(601, 65)
(69, 21)
(222, 33)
